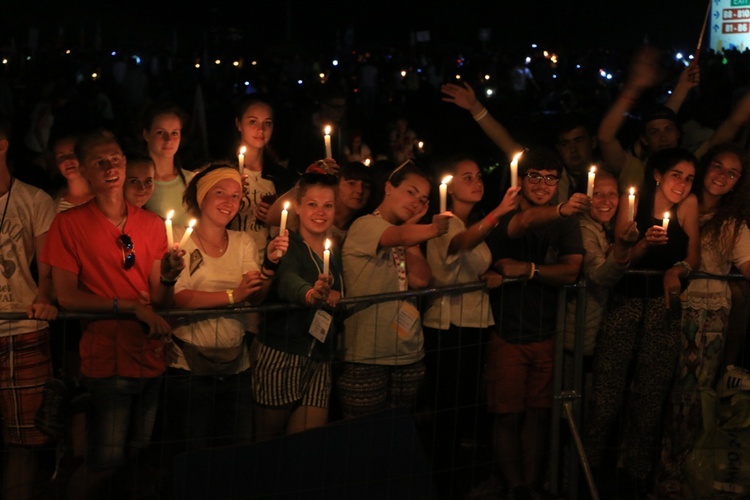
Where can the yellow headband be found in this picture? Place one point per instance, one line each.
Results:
(210, 179)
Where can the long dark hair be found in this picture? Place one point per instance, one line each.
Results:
(661, 161)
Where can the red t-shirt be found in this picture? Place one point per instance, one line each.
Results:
(82, 241)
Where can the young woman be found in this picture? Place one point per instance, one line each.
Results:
(139, 179)
(162, 131)
(266, 179)
(382, 343)
(77, 190)
(208, 385)
(455, 326)
(292, 367)
(642, 325)
(722, 191)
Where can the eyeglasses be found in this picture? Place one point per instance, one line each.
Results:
(719, 169)
(128, 254)
(536, 178)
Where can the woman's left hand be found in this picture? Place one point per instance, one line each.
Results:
(279, 244)
(672, 286)
(333, 298)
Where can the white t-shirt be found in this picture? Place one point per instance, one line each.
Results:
(247, 219)
(29, 214)
(472, 309)
(370, 335)
(216, 275)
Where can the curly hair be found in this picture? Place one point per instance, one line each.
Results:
(732, 211)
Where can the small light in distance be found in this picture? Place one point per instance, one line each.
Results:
(403, 73)
(335, 62)
(533, 45)
(678, 56)
(217, 62)
(299, 82)
(197, 65)
(113, 53)
(489, 92)
(486, 77)
(235, 63)
(94, 76)
(458, 77)
(5, 60)
(67, 51)
(528, 60)
(578, 66)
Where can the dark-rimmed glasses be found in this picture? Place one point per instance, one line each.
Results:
(536, 178)
(128, 254)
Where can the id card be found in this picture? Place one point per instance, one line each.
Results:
(407, 316)
(320, 325)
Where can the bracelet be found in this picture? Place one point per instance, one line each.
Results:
(687, 267)
(559, 210)
(533, 271)
(271, 266)
(230, 295)
(477, 117)
(264, 275)
(114, 305)
(308, 296)
(164, 281)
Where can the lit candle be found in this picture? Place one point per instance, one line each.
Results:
(327, 139)
(592, 177)
(187, 234)
(241, 160)
(168, 225)
(631, 205)
(444, 193)
(327, 257)
(514, 170)
(282, 227)
(367, 162)
(665, 222)
(420, 146)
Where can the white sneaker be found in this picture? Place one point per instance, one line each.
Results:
(735, 379)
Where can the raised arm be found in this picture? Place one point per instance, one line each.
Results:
(466, 240)
(689, 79)
(537, 217)
(410, 234)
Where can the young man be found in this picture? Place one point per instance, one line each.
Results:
(25, 362)
(542, 243)
(109, 256)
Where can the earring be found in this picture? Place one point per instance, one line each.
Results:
(657, 183)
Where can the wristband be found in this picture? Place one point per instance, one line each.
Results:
(230, 296)
(114, 305)
(559, 210)
(271, 266)
(264, 275)
(533, 271)
(479, 116)
(308, 296)
(164, 281)
(687, 267)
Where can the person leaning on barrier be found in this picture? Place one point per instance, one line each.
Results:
(542, 243)
(109, 256)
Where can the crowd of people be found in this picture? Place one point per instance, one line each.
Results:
(109, 217)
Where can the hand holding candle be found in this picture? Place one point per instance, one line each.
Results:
(168, 225)
(327, 140)
(187, 234)
(282, 227)
(592, 178)
(631, 205)
(514, 170)
(327, 257)
(444, 193)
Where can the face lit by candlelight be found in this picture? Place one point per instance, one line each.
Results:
(408, 198)
(256, 125)
(353, 194)
(221, 202)
(467, 185)
(605, 200)
(540, 193)
(164, 136)
(139, 182)
(66, 159)
(722, 174)
(676, 182)
(316, 209)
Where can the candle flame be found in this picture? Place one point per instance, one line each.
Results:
(328, 244)
(170, 214)
(367, 162)
(242, 150)
(327, 130)
(666, 215)
(420, 144)
(632, 191)
(447, 179)
(192, 222)
(517, 156)
(286, 205)
(593, 169)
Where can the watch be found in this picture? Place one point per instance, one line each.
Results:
(536, 272)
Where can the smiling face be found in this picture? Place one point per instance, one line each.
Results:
(676, 182)
(353, 193)
(467, 185)
(256, 125)
(222, 202)
(605, 200)
(139, 182)
(408, 198)
(723, 173)
(103, 165)
(316, 209)
(540, 193)
(163, 138)
(66, 159)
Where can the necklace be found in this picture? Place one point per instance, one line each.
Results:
(221, 247)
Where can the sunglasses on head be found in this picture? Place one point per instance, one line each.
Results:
(128, 254)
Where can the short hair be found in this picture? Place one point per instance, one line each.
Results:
(136, 157)
(540, 159)
(570, 121)
(311, 179)
(89, 140)
(357, 171)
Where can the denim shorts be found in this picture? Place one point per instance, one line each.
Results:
(122, 414)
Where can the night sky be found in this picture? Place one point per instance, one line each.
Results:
(314, 26)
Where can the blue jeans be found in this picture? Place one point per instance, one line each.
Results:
(205, 411)
(123, 412)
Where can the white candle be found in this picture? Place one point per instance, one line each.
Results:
(241, 160)
(514, 170)
(592, 177)
(168, 225)
(187, 234)
(665, 221)
(444, 193)
(631, 205)
(282, 227)
(327, 139)
(327, 257)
